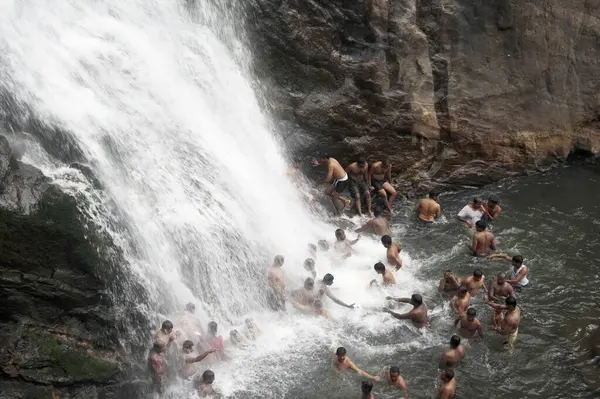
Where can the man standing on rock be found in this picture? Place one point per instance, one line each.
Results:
(380, 178)
(428, 209)
(471, 213)
(337, 178)
(359, 174)
(157, 365)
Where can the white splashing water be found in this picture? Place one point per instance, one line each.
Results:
(169, 123)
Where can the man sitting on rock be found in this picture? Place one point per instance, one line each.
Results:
(380, 178)
(359, 174)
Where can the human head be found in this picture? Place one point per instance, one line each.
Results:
(500, 278)
(323, 157)
(366, 387)
(434, 195)
(340, 235)
(386, 241)
(471, 314)
(385, 161)
(312, 248)
(309, 284)
(394, 373)
(208, 377)
(212, 327)
(448, 275)
(328, 279)
(477, 275)
(190, 307)
(416, 300)
(476, 203)
(462, 290)
(361, 162)
(492, 201)
(187, 346)
(278, 260)
(481, 225)
(235, 337)
(511, 302)
(159, 346)
(167, 326)
(377, 212)
(379, 268)
(318, 304)
(517, 261)
(323, 245)
(309, 264)
(341, 353)
(447, 375)
(454, 341)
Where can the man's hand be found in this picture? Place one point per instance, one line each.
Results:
(351, 306)
(377, 378)
(315, 162)
(386, 310)
(469, 224)
(358, 237)
(389, 298)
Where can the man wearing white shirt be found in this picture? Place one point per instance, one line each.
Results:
(471, 213)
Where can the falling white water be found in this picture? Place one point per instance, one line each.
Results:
(170, 125)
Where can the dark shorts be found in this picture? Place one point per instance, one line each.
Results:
(378, 184)
(358, 188)
(341, 186)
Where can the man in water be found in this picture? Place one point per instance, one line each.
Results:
(323, 245)
(393, 378)
(307, 295)
(462, 301)
(449, 285)
(359, 174)
(342, 245)
(276, 296)
(491, 210)
(309, 266)
(325, 290)
(448, 388)
(203, 385)
(475, 283)
(236, 339)
(365, 388)
(469, 326)
(337, 178)
(319, 310)
(188, 368)
(341, 362)
(510, 323)
(428, 209)
(471, 213)
(157, 365)
(166, 334)
(452, 356)
(378, 225)
(418, 314)
(518, 274)
(389, 281)
(251, 330)
(380, 178)
(393, 252)
(312, 251)
(499, 291)
(215, 342)
(483, 240)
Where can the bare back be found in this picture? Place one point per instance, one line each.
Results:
(512, 319)
(428, 210)
(275, 277)
(393, 255)
(448, 390)
(381, 226)
(337, 171)
(482, 243)
(419, 316)
(389, 280)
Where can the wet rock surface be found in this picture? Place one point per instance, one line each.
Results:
(455, 92)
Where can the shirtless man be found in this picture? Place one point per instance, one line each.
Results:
(342, 245)
(203, 385)
(428, 209)
(312, 251)
(448, 388)
(500, 289)
(251, 330)
(337, 178)
(157, 365)
(323, 245)
(307, 295)
(475, 283)
(378, 225)
(469, 326)
(491, 210)
(325, 290)
(359, 174)
(518, 274)
(389, 280)
(188, 368)
(309, 266)
(393, 252)
(277, 284)
(341, 362)
(418, 314)
(449, 285)
(319, 310)
(365, 388)
(380, 178)
(483, 240)
(452, 356)
(510, 324)
(165, 333)
(393, 378)
(471, 213)
(462, 301)
(214, 341)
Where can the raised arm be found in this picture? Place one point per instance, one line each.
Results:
(201, 357)
(441, 285)
(402, 300)
(355, 241)
(334, 299)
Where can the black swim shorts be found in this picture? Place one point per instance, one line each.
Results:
(358, 188)
(341, 186)
(378, 184)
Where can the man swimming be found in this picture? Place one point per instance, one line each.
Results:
(341, 362)
(393, 252)
(462, 301)
(483, 240)
(188, 368)
(388, 278)
(380, 178)
(449, 284)
(337, 178)
(378, 225)
(309, 266)
(491, 210)
(359, 174)
(203, 384)
(448, 388)
(342, 245)
(306, 295)
(325, 290)
(365, 388)
(469, 326)
(518, 274)
(277, 284)
(475, 283)
(452, 356)
(393, 378)
(471, 213)
(428, 209)
(510, 323)
(418, 314)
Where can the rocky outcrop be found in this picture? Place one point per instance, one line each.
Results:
(454, 91)
(64, 305)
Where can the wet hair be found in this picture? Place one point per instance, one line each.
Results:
(386, 240)
(511, 301)
(471, 312)
(477, 273)
(493, 199)
(518, 259)
(481, 225)
(309, 282)
(158, 344)
(338, 232)
(208, 375)
(323, 245)
(278, 260)
(433, 194)
(377, 211)
(449, 374)
(187, 344)
(385, 160)
(328, 277)
(379, 267)
(462, 289)
(361, 161)
(416, 298)
(477, 200)
(309, 263)
(366, 386)
(190, 307)
(312, 247)
(501, 275)
(212, 327)
(454, 341)
(167, 325)
(395, 369)
(341, 351)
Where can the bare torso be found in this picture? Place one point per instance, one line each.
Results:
(393, 255)
(428, 210)
(304, 296)
(502, 291)
(469, 329)
(275, 276)
(448, 390)
(380, 226)
(483, 243)
(473, 285)
(159, 364)
(512, 320)
(357, 173)
(338, 171)
(379, 171)
(389, 280)
(420, 318)
(462, 304)
(452, 357)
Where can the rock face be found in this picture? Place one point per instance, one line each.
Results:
(453, 91)
(59, 317)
